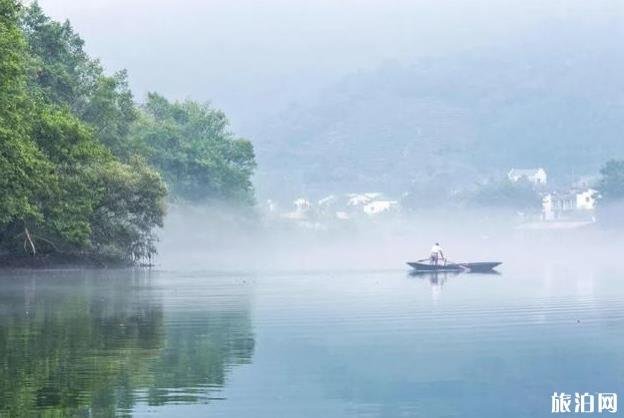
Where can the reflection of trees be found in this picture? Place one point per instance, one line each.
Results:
(67, 343)
(196, 349)
(96, 346)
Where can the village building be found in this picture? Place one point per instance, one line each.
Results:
(302, 204)
(586, 200)
(380, 206)
(361, 199)
(341, 207)
(571, 204)
(302, 209)
(537, 176)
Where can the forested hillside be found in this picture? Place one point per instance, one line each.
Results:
(84, 170)
(551, 99)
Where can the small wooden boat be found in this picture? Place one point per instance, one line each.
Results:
(419, 266)
(478, 267)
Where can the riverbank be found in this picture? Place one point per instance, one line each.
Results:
(51, 261)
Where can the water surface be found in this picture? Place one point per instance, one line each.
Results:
(307, 344)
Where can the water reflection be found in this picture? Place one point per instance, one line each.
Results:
(437, 279)
(98, 343)
(434, 277)
(336, 344)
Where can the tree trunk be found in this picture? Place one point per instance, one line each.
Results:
(30, 241)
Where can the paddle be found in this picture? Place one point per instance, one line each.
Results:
(445, 262)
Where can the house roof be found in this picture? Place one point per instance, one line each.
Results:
(521, 172)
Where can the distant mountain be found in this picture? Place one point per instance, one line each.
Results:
(554, 99)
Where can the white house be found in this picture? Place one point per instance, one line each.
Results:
(586, 200)
(302, 204)
(360, 199)
(569, 204)
(534, 175)
(302, 210)
(379, 206)
(553, 205)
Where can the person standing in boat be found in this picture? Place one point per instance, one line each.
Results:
(436, 254)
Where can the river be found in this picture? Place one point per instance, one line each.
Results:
(376, 343)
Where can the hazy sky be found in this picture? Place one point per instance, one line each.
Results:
(239, 53)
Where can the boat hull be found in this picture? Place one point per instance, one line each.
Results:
(435, 267)
(479, 267)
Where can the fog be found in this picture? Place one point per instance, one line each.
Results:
(198, 238)
(250, 56)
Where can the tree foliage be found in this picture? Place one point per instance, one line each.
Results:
(130, 205)
(191, 145)
(612, 182)
(24, 171)
(61, 72)
(81, 163)
(55, 167)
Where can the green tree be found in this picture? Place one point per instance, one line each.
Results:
(130, 204)
(111, 111)
(61, 72)
(192, 146)
(612, 182)
(77, 164)
(69, 202)
(62, 188)
(60, 69)
(25, 173)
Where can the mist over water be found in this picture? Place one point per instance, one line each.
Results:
(215, 239)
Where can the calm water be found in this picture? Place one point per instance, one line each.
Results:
(328, 344)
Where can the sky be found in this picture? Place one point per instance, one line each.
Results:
(243, 55)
